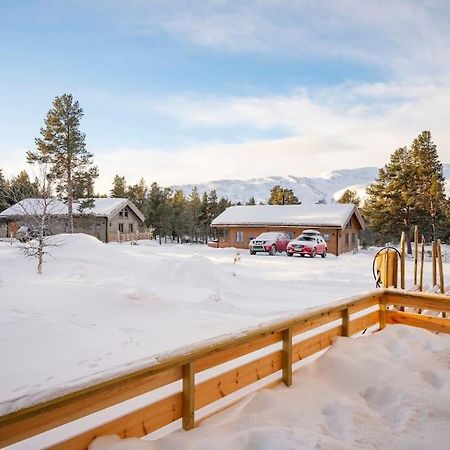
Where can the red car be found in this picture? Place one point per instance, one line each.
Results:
(270, 242)
(309, 243)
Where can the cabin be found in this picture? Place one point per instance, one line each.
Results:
(107, 219)
(340, 224)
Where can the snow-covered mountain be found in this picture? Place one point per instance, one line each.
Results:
(328, 187)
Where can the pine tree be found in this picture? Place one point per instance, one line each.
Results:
(251, 201)
(179, 216)
(119, 189)
(21, 187)
(4, 192)
(390, 206)
(194, 211)
(282, 196)
(430, 181)
(138, 194)
(62, 146)
(350, 196)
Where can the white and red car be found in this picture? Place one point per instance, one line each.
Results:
(270, 242)
(310, 243)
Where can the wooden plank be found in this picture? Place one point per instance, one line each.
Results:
(225, 384)
(364, 304)
(416, 252)
(345, 322)
(188, 408)
(435, 302)
(314, 344)
(287, 357)
(318, 321)
(363, 322)
(222, 356)
(422, 259)
(382, 315)
(402, 260)
(419, 320)
(441, 269)
(433, 263)
(23, 426)
(135, 424)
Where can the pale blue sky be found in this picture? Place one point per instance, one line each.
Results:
(179, 93)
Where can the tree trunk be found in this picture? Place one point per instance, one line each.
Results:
(408, 241)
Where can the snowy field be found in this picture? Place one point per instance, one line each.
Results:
(386, 390)
(100, 309)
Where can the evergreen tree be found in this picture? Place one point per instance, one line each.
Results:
(4, 192)
(62, 146)
(350, 196)
(138, 194)
(430, 182)
(179, 216)
(194, 212)
(119, 189)
(390, 206)
(251, 201)
(21, 187)
(282, 196)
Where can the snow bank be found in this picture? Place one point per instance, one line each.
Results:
(387, 390)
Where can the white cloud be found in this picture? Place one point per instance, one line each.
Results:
(397, 35)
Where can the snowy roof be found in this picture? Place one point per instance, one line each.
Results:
(322, 215)
(103, 207)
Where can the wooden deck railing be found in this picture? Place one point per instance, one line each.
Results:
(298, 337)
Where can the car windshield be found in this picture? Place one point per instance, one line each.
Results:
(268, 236)
(305, 238)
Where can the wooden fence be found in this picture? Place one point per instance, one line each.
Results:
(297, 337)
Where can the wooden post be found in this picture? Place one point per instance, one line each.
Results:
(382, 314)
(421, 264)
(441, 271)
(287, 356)
(346, 322)
(433, 262)
(402, 261)
(188, 396)
(386, 269)
(416, 253)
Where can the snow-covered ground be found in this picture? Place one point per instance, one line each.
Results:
(387, 390)
(100, 308)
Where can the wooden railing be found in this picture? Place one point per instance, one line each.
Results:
(297, 337)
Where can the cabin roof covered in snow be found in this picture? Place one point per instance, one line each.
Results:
(322, 215)
(103, 207)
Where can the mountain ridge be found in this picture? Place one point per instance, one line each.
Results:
(328, 187)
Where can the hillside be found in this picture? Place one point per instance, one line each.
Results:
(327, 187)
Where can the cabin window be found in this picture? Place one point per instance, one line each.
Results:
(125, 212)
(353, 238)
(121, 227)
(130, 227)
(347, 238)
(121, 213)
(239, 236)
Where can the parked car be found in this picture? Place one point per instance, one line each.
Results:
(270, 242)
(310, 243)
(26, 233)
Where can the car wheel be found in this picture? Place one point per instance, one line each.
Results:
(324, 254)
(273, 250)
(252, 253)
(313, 253)
(289, 254)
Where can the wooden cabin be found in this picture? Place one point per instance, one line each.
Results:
(340, 224)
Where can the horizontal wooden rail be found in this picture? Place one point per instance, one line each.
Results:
(430, 323)
(260, 357)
